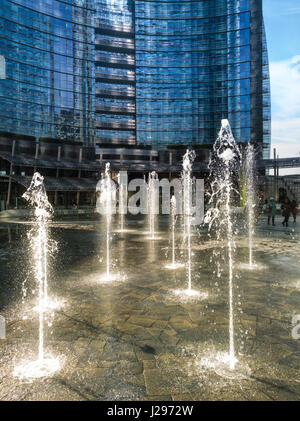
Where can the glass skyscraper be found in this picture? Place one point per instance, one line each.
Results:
(49, 87)
(196, 63)
(144, 72)
(115, 72)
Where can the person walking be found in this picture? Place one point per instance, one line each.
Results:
(294, 209)
(271, 208)
(286, 211)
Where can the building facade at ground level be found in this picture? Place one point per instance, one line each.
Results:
(154, 73)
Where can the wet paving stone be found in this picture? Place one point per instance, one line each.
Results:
(135, 339)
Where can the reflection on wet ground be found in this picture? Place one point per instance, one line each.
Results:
(134, 338)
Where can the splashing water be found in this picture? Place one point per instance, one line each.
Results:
(152, 202)
(250, 198)
(36, 195)
(188, 159)
(224, 168)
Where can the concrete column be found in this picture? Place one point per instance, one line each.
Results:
(78, 198)
(9, 234)
(79, 175)
(78, 193)
(277, 178)
(36, 151)
(56, 192)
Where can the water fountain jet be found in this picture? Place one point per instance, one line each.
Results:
(173, 265)
(188, 159)
(186, 177)
(250, 199)
(36, 195)
(224, 168)
(107, 191)
(152, 202)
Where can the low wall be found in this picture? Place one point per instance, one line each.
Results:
(16, 213)
(26, 213)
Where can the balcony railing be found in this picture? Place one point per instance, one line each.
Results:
(126, 61)
(129, 125)
(110, 76)
(130, 140)
(118, 28)
(113, 92)
(116, 109)
(126, 44)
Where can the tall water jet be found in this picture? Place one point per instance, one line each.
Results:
(173, 216)
(152, 202)
(36, 195)
(224, 168)
(250, 197)
(188, 159)
(106, 197)
(106, 206)
(187, 184)
(173, 265)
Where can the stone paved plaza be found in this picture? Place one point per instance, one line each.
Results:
(135, 338)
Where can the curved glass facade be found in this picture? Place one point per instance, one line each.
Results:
(146, 72)
(266, 100)
(193, 69)
(115, 72)
(48, 46)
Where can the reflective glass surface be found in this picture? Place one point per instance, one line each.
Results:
(192, 69)
(151, 72)
(48, 46)
(115, 71)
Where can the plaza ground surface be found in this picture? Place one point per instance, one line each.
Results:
(137, 338)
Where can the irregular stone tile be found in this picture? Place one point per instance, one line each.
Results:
(158, 384)
(145, 356)
(141, 320)
(157, 398)
(148, 364)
